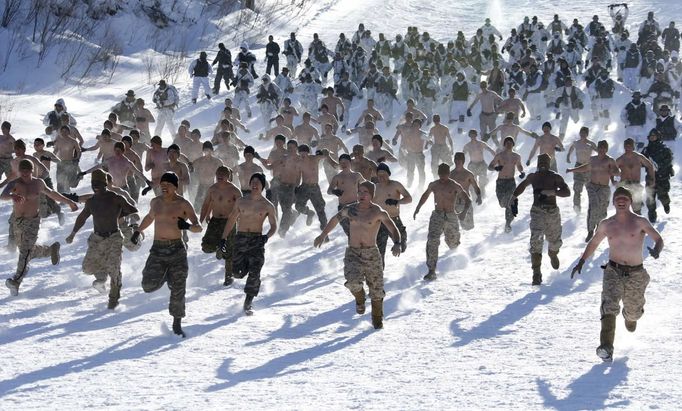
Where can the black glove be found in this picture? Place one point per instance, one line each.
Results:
(190, 167)
(556, 106)
(45, 158)
(514, 207)
(557, 148)
(71, 196)
(581, 105)
(50, 144)
(222, 245)
(498, 167)
(391, 202)
(341, 117)
(528, 163)
(337, 192)
(146, 190)
(135, 238)
(654, 253)
(468, 113)
(578, 268)
(264, 238)
(81, 174)
(558, 116)
(182, 224)
(522, 175)
(318, 152)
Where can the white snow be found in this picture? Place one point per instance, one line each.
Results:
(478, 338)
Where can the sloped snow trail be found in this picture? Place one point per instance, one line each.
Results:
(480, 337)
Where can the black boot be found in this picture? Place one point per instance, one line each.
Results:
(430, 276)
(590, 233)
(630, 325)
(378, 314)
(606, 337)
(535, 264)
(177, 327)
(652, 216)
(114, 295)
(248, 305)
(359, 302)
(228, 280)
(554, 259)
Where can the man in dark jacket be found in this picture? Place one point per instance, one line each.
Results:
(224, 72)
(272, 56)
(662, 157)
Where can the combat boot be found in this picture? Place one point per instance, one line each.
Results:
(535, 263)
(430, 276)
(606, 337)
(630, 325)
(554, 259)
(114, 295)
(378, 314)
(590, 233)
(248, 305)
(228, 280)
(359, 301)
(652, 216)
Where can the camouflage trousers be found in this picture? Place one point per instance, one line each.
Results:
(504, 189)
(599, 197)
(545, 223)
(202, 189)
(286, 196)
(271, 193)
(48, 206)
(167, 263)
(248, 259)
(440, 223)
(134, 184)
(211, 241)
(480, 170)
(440, 153)
(415, 160)
(362, 265)
(627, 284)
(5, 167)
(26, 233)
(466, 223)
(383, 234)
(637, 191)
(660, 190)
(311, 192)
(67, 175)
(579, 182)
(344, 223)
(103, 257)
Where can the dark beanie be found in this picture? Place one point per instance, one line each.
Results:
(170, 177)
(384, 167)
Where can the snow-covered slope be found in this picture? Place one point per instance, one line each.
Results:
(479, 338)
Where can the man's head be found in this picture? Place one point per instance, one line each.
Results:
(119, 148)
(544, 162)
(584, 132)
(38, 144)
(25, 168)
(257, 183)
(602, 147)
(280, 140)
(98, 180)
(173, 152)
(629, 145)
(344, 161)
(6, 126)
(473, 134)
(508, 142)
(20, 148)
(383, 171)
(443, 171)
(622, 198)
(223, 173)
(546, 127)
(358, 150)
(459, 159)
(292, 146)
(169, 182)
(365, 192)
(377, 141)
(156, 142)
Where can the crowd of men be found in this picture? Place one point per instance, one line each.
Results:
(541, 75)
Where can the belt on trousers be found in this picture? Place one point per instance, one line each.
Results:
(623, 270)
(107, 234)
(168, 242)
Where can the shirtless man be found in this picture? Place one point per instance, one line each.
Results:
(167, 261)
(379, 154)
(66, 121)
(304, 133)
(441, 145)
(467, 180)
(330, 142)
(309, 190)
(205, 171)
(326, 117)
(362, 261)
(624, 276)
(365, 133)
(105, 145)
(217, 206)
(248, 215)
(412, 109)
(345, 185)
(401, 130)
(247, 169)
(135, 182)
(45, 157)
(155, 158)
(508, 128)
(475, 149)
(289, 171)
(513, 105)
(68, 150)
(583, 148)
(602, 168)
(120, 168)
(506, 162)
(274, 164)
(370, 110)
(6, 149)
(363, 165)
(105, 245)
(630, 164)
(138, 146)
(490, 102)
(444, 218)
(288, 112)
(333, 103)
(415, 140)
(279, 129)
(389, 195)
(545, 217)
(25, 192)
(180, 169)
(548, 144)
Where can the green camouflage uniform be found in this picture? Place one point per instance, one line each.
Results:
(211, 241)
(440, 223)
(67, 175)
(248, 259)
(579, 182)
(167, 262)
(480, 170)
(504, 189)
(103, 257)
(5, 167)
(26, 234)
(364, 265)
(467, 223)
(545, 222)
(286, 196)
(440, 153)
(47, 205)
(202, 189)
(383, 235)
(599, 197)
(311, 192)
(627, 284)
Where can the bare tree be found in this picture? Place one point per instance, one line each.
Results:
(10, 10)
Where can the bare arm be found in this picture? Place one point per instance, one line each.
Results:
(272, 220)
(330, 226)
(570, 150)
(422, 200)
(406, 197)
(591, 247)
(231, 220)
(204, 214)
(192, 216)
(80, 221)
